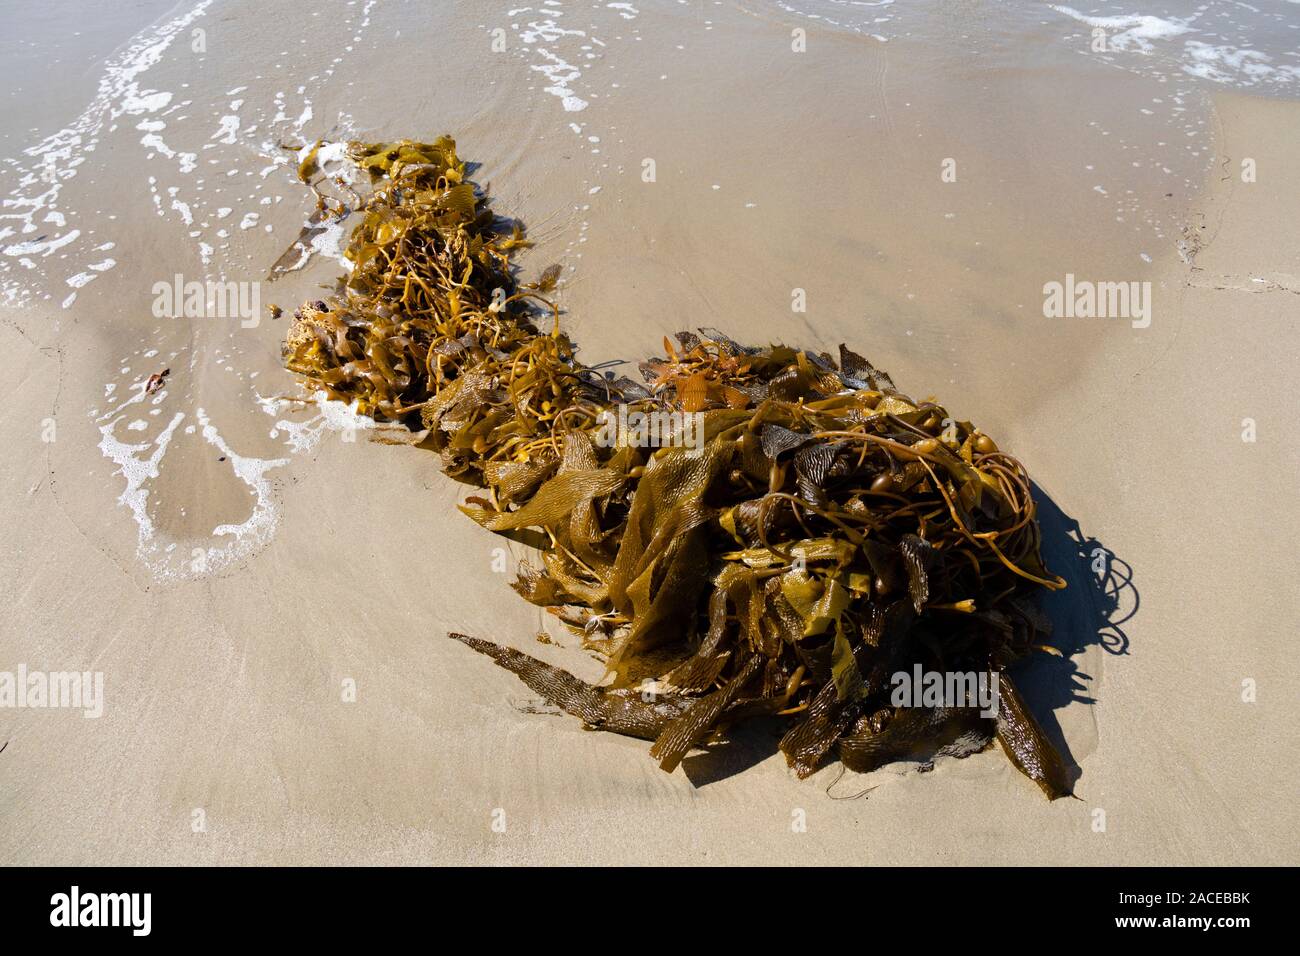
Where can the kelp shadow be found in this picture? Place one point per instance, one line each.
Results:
(1099, 599)
(746, 746)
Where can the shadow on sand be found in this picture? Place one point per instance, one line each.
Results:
(1099, 598)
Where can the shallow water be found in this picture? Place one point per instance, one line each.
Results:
(911, 173)
(1228, 43)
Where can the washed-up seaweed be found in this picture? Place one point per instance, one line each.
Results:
(790, 532)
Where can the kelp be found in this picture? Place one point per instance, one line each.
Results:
(822, 532)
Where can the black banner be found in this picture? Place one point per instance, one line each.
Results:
(336, 905)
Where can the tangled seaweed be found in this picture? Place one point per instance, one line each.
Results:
(814, 533)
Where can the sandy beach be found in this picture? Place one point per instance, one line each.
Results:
(266, 590)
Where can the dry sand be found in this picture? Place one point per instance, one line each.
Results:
(223, 685)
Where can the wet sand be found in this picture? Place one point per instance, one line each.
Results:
(226, 654)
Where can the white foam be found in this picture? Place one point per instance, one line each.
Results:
(560, 74)
(1136, 30)
(330, 416)
(1233, 65)
(42, 248)
(227, 131)
(140, 463)
(259, 527)
(55, 160)
(1220, 63)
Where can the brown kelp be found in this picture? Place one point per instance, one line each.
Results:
(747, 532)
